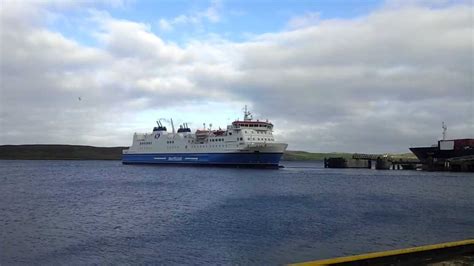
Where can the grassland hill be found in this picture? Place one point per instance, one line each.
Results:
(79, 152)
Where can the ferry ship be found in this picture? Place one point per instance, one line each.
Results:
(245, 143)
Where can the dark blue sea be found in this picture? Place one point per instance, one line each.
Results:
(103, 212)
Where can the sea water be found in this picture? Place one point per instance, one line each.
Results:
(103, 212)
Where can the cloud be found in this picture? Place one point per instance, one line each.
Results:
(127, 39)
(308, 19)
(165, 25)
(210, 15)
(424, 3)
(377, 83)
(368, 77)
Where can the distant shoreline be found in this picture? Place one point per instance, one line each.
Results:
(83, 152)
(59, 152)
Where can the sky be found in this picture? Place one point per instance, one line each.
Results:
(332, 76)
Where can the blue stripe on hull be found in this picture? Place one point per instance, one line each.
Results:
(237, 159)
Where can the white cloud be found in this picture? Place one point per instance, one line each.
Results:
(308, 19)
(165, 25)
(210, 15)
(376, 83)
(424, 3)
(132, 39)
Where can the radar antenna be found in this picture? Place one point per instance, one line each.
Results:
(445, 128)
(247, 114)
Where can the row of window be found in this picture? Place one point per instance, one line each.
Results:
(252, 125)
(265, 139)
(201, 146)
(172, 147)
(212, 140)
(213, 146)
(145, 148)
(259, 132)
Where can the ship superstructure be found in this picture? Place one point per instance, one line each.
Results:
(444, 149)
(245, 142)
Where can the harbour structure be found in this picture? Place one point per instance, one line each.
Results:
(382, 162)
(246, 143)
(446, 155)
(449, 253)
(452, 154)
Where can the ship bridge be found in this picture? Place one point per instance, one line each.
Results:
(249, 123)
(252, 124)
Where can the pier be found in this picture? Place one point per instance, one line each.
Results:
(388, 162)
(451, 253)
(461, 164)
(455, 164)
(381, 162)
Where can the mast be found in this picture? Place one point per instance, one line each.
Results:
(445, 128)
(247, 114)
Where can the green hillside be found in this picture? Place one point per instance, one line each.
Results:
(311, 156)
(59, 152)
(78, 152)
